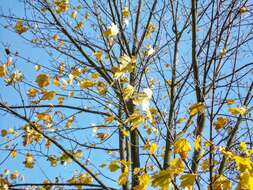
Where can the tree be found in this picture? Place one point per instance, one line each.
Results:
(166, 83)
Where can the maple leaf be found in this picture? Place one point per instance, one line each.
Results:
(246, 181)
(29, 161)
(43, 80)
(98, 55)
(187, 180)
(48, 95)
(128, 92)
(111, 31)
(197, 143)
(69, 122)
(125, 12)
(221, 122)
(241, 110)
(221, 182)
(45, 117)
(196, 108)
(182, 147)
(153, 148)
(2, 70)
(61, 6)
(85, 83)
(144, 181)
(20, 27)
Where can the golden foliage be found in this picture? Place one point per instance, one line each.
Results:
(43, 80)
(20, 27)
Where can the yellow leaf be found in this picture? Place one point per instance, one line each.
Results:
(109, 119)
(111, 31)
(124, 132)
(29, 162)
(55, 37)
(125, 12)
(102, 136)
(48, 143)
(61, 6)
(87, 15)
(187, 180)
(85, 179)
(20, 27)
(56, 80)
(76, 72)
(78, 154)
(73, 180)
(74, 14)
(234, 111)
(162, 179)
(197, 143)
(4, 132)
(207, 143)
(137, 171)
(205, 166)
(71, 94)
(135, 119)
(16, 76)
(182, 147)
(243, 163)
(61, 43)
(37, 67)
(69, 122)
(60, 100)
(61, 68)
(246, 181)
(43, 80)
(127, 64)
(14, 175)
(220, 182)
(123, 178)
(223, 53)
(13, 153)
(150, 51)
(243, 9)
(180, 120)
(101, 88)
(127, 92)
(196, 108)
(79, 25)
(114, 166)
(2, 70)
(149, 30)
(44, 117)
(243, 146)
(48, 95)
(230, 102)
(98, 55)
(221, 122)
(85, 83)
(152, 149)
(53, 160)
(144, 181)
(94, 75)
(177, 166)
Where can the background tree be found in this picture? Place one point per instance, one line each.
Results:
(166, 85)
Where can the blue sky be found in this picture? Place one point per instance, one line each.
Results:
(17, 44)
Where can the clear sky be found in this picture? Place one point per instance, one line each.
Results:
(42, 168)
